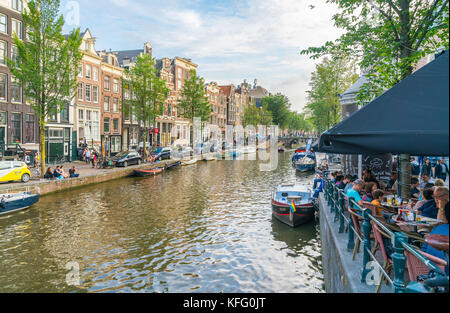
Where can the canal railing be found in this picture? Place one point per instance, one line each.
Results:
(339, 203)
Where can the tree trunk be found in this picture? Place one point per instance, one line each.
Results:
(42, 147)
(144, 152)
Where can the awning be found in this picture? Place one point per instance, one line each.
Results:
(412, 118)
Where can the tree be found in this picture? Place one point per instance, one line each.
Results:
(47, 63)
(279, 106)
(251, 116)
(148, 93)
(332, 77)
(193, 100)
(389, 37)
(297, 122)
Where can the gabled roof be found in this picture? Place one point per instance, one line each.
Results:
(226, 90)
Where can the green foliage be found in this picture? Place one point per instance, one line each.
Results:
(331, 78)
(193, 100)
(147, 92)
(297, 122)
(279, 106)
(47, 62)
(387, 37)
(256, 116)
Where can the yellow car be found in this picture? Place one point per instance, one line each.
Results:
(14, 170)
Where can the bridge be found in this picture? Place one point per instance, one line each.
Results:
(289, 141)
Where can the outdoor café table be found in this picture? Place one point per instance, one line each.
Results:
(410, 227)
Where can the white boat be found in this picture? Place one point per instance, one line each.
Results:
(192, 161)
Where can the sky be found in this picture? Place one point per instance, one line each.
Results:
(230, 40)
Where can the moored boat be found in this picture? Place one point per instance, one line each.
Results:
(306, 163)
(173, 165)
(15, 201)
(151, 172)
(193, 161)
(209, 158)
(293, 204)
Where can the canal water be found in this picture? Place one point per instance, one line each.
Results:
(202, 228)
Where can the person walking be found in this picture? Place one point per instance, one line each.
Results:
(426, 167)
(441, 170)
(87, 156)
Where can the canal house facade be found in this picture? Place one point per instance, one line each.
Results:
(111, 99)
(18, 124)
(88, 97)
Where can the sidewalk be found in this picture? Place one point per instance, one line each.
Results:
(88, 175)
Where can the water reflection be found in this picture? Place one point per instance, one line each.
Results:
(201, 228)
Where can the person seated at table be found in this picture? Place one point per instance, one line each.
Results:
(346, 179)
(349, 185)
(353, 192)
(392, 181)
(368, 189)
(333, 176)
(368, 177)
(441, 198)
(426, 195)
(378, 196)
(415, 192)
(426, 179)
(339, 179)
(429, 208)
(439, 183)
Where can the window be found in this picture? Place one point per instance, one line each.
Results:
(29, 128)
(106, 105)
(3, 23)
(95, 93)
(95, 73)
(169, 109)
(14, 52)
(16, 127)
(80, 73)
(107, 83)
(180, 73)
(179, 84)
(116, 124)
(17, 5)
(106, 125)
(65, 113)
(80, 91)
(88, 71)
(3, 52)
(16, 90)
(88, 92)
(116, 85)
(16, 28)
(116, 105)
(80, 114)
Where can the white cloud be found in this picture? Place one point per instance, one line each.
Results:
(236, 39)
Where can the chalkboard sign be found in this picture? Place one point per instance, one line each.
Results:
(350, 162)
(380, 165)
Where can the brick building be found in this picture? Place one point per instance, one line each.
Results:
(111, 99)
(18, 124)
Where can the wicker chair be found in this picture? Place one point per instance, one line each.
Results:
(416, 267)
(387, 261)
(356, 218)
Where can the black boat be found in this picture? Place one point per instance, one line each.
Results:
(172, 165)
(282, 204)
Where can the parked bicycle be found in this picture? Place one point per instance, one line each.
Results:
(104, 162)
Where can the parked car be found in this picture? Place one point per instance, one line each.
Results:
(126, 158)
(14, 170)
(163, 153)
